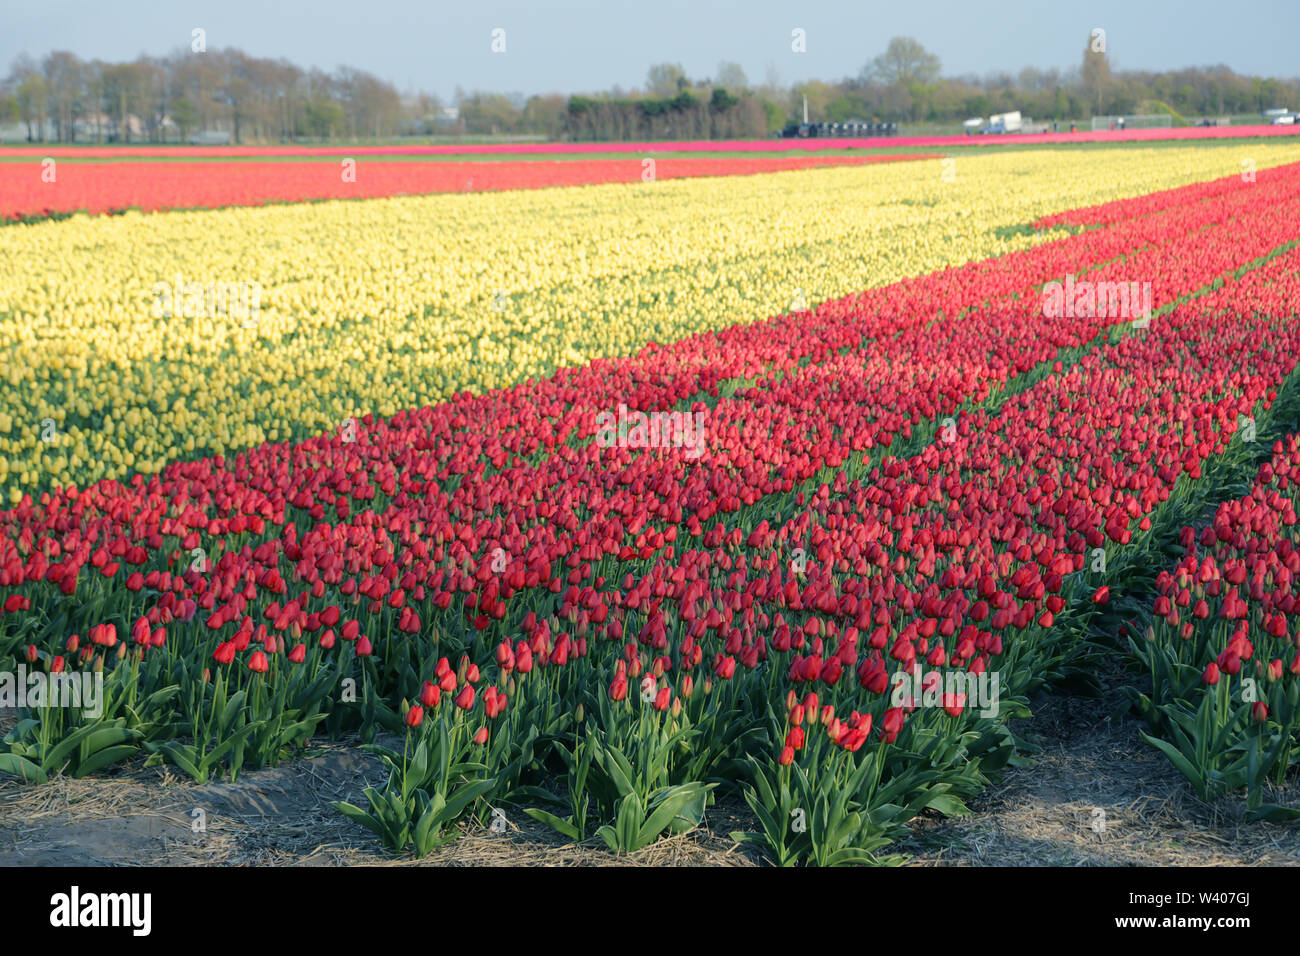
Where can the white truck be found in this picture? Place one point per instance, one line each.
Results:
(1004, 123)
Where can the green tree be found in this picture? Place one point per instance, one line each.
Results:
(665, 80)
(1096, 75)
(731, 77)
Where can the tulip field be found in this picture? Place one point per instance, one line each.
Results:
(787, 486)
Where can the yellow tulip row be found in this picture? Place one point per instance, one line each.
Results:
(121, 349)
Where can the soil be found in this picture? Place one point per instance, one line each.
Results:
(1095, 794)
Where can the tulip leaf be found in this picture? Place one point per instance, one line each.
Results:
(21, 767)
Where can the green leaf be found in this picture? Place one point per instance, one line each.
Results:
(21, 767)
(1184, 765)
(360, 816)
(948, 805)
(105, 757)
(555, 823)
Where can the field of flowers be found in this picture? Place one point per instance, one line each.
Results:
(129, 341)
(610, 549)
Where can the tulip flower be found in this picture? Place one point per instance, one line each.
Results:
(415, 716)
(618, 688)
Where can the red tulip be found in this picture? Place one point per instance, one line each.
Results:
(258, 663)
(618, 689)
(430, 694)
(415, 716)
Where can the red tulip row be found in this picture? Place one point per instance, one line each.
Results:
(109, 187)
(949, 553)
(1221, 650)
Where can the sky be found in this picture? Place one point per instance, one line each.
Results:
(573, 46)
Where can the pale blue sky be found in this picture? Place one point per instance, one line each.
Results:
(583, 45)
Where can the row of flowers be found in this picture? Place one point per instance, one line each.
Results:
(1221, 651)
(29, 190)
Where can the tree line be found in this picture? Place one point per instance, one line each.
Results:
(259, 100)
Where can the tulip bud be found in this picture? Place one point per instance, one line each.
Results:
(481, 736)
(1259, 710)
(207, 675)
(787, 756)
(415, 716)
(580, 713)
(677, 706)
(31, 653)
